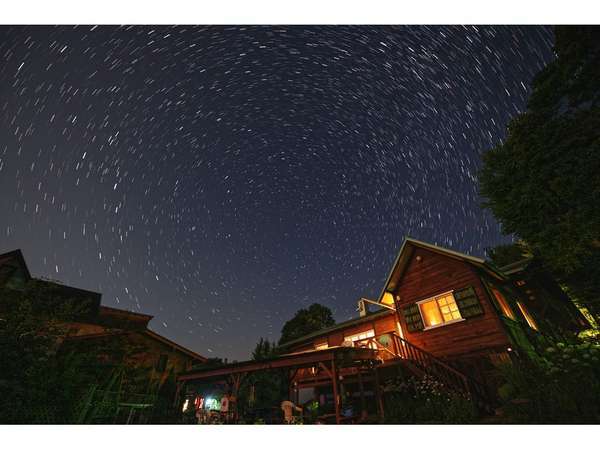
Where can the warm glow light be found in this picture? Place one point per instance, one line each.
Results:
(439, 310)
(351, 339)
(388, 299)
(321, 346)
(185, 405)
(400, 332)
(527, 316)
(503, 304)
(431, 314)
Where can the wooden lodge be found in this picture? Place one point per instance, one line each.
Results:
(94, 328)
(95, 322)
(442, 313)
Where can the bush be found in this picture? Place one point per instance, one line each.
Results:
(562, 386)
(411, 400)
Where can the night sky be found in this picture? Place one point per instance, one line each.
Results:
(221, 178)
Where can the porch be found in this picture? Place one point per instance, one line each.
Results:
(333, 368)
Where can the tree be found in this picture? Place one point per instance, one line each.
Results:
(505, 254)
(263, 390)
(306, 321)
(263, 350)
(542, 182)
(46, 378)
(36, 386)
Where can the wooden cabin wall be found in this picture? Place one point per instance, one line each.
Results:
(435, 274)
(385, 325)
(381, 325)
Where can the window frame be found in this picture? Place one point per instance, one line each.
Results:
(434, 298)
(370, 330)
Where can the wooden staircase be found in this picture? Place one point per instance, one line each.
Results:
(420, 362)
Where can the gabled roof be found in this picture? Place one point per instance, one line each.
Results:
(174, 345)
(145, 318)
(71, 289)
(403, 259)
(126, 314)
(15, 256)
(515, 267)
(337, 327)
(146, 332)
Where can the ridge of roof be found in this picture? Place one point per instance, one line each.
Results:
(479, 262)
(19, 255)
(110, 308)
(516, 266)
(174, 344)
(68, 287)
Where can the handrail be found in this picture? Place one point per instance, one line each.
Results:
(447, 374)
(373, 343)
(430, 365)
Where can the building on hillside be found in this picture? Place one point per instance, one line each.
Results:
(446, 314)
(117, 337)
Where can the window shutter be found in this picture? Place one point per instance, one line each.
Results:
(412, 316)
(468, 303)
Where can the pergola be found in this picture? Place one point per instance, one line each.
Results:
(305, 369)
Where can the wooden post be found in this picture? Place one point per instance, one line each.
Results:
(378, 396)
(336, 400)
(237, 379)
(180, 385)
(291, 375)
(363, 402)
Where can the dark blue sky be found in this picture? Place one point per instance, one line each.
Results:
(221, 178)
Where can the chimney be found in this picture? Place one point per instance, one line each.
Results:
(363, 308)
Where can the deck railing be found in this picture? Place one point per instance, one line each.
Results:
(398, 348)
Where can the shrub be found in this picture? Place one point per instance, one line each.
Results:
(425, 400)
(562, 386)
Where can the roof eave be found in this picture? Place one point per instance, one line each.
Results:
(339, 326)
(451, 253)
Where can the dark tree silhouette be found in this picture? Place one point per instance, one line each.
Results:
(542, 182)
(306, 321)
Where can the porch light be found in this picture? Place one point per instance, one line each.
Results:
(388, 299)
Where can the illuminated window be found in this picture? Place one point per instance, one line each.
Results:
(321, 345)
(439, 310)
(503, 304)
(360, 336)
(388, 299)
(527, 316)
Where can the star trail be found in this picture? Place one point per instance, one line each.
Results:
(221, 178)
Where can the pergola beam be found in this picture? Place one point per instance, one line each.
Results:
(298, 360)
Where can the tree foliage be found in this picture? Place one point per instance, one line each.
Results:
(542, 183)
(505, 254)
(306, 321)
(264, 390)
(45, 378)
(35, 385)
(264, 349)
